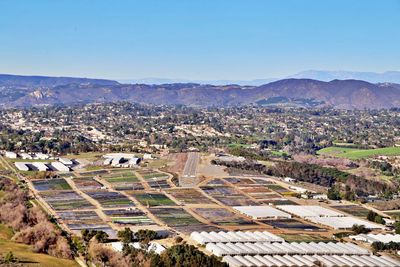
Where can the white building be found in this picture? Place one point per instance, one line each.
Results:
(147, 156)
(41, 156)
(153, 247)
(25, 156)
(262, 212)
(60, 167)
(134, 162)
(66, 161)
(40, 166)
(21, 166)
(11, 155)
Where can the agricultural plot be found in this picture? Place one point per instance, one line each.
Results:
(261, 181)
(189, 196)
(278, 201)
(128, 217)
(152, 175)
(159, 184)
(123, 180)
(227, 195)
(51, 184)
(174, 216)
(222, 216)
(216, 181)
(89, 216)
(354, 210)
(109, 199)
(93, 173)
(65, 200)
(279, 189)
(87, 184)
(292, 224)
(76, 228)
(239, 181)
(152, 199)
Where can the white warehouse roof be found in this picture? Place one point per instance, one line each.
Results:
(22, 166)
(284, 248)
(234, 236)
(66, 161)
(261, 212)
(310, 261)
(310, 211)
(40, 166)
(60, 167)
(344, 222)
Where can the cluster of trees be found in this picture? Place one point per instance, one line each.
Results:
(380, 246)
(375, 217)
(30, 224)
(385, 167)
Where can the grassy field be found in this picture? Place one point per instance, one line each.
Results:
(354, 153)
(25, 254)
(89, 156)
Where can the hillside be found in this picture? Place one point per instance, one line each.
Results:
(345, 94)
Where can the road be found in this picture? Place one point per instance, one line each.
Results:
(189, 176)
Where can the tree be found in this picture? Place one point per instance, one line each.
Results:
(397, 227)
(359, 229)
(145, 236)
(333, 193)
(101, 236)
(126, 236)
(9, 258)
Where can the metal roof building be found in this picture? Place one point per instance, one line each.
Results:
(40, 166)
(310, 261)
(234, 236)
(60, 167)
(284, 248)
(22, 166)
(344, 222)
(310, 211)
(262, 212)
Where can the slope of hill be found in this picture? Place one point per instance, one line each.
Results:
(345, 94)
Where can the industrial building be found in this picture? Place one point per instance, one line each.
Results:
(310, 261)
(66, 161)
(371, 238)
(58, 166)
(344, 222)
(40, 166)
(10, 155)
(284, 248)
(262, 212)
(21, 166)
(234, 236)
(309, 211)
(25, 156)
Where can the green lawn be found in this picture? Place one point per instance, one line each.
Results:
(353, 153)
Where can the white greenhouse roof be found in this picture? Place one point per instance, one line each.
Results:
(234, 236)
(310, 211)
(344, 222)
(258, 212)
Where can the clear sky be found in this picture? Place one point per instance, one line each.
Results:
(202, 39)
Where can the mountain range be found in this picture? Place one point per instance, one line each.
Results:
(23, 91)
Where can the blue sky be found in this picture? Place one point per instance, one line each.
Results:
(203, 39)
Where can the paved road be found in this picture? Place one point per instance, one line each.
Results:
(189, 176)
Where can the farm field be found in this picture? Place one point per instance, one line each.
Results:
(174, 216)
(354, 210)
(227, 195)
(305, 238)
(109, 199)
(87, 184)
(292, 224)
(354, 153)
(189, 196)
(159, 184)
(51, 184)
(222, 216)
(131, 217)
(152, 199)
(149, 174)
(65, 200)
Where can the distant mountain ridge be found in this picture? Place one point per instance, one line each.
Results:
(372, 77)
(23, 91)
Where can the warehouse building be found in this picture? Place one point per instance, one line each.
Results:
(234, 236)
(25, 156)
(58, 166)
(309, 211)
(344, 223)
(40, 166)
(262, 212)
(310, 261)
(371, 238)
(21, 166)
(66, 161)
(10, 155)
